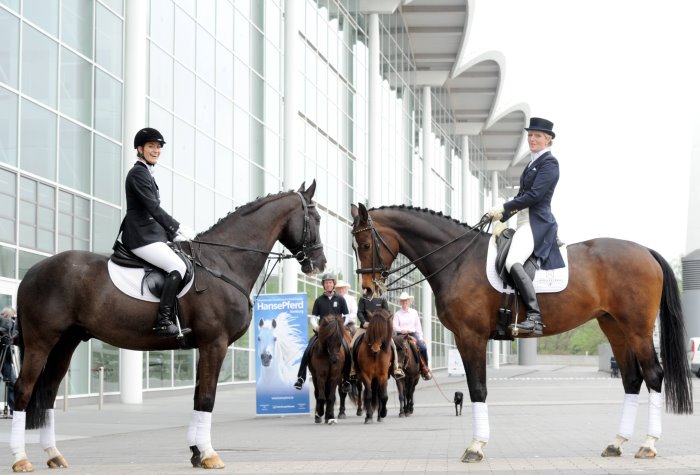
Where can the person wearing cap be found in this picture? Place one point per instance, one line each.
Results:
(371, 305)
(407, 322)
(328, 303)
(342, 288)
(147, 227)
(537, 228)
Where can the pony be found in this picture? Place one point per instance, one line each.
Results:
(621, 284)
(373, 360)
(69, 298)
(408, 358)
(279, 346)
(328, 359)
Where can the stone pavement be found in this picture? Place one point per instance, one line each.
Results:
(544, 420)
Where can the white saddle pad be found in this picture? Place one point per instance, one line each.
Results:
(128, 280)
(546, 281)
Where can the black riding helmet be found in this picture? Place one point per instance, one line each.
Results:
(148, 135)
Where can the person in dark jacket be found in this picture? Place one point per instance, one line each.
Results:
(536, 233)
(8, 333)
(147, 228)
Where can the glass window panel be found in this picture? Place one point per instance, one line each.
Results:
(241, 39)
(241, 175)
(108, 105)
(116, 5)
(9, 48)
(74, 156)
(38, 140)
(107, 171)
(183, 204)
(257, 95)
(272, 68)
(206, 48)
(76, 87)
(185, 39)
(13, 4)
(163, 121)
(104, 356)
(241, 78)
(204, 202)
(8, 127)
(224, 120)
(39, 66)
(257, 141)
(204, 172)
(108, 41)
(205, 106)
(241, 136)
(224, 171)
(105, 225)
(44, 14)
(224, 23)
(7, 262)
(224, 70)
(161, 80)
(26, 261)
(206, 14)
(184, 367)
(165, 184)
(190, 6)
(184, 99)
(8, 205)
(183, 148)
(76, 25)
(162, 21)
(159, 369)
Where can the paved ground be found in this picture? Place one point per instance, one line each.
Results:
(544, 420)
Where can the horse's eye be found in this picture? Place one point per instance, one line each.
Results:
(365, 246)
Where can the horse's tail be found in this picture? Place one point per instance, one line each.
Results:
(677, 375)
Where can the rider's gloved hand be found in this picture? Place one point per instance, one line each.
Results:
(495, 213)
(365, 325)
(498, 228)
(185, 233)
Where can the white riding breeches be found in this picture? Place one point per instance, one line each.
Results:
(523, 243)
(160, 255)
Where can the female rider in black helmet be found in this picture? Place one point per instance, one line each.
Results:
(147, 227)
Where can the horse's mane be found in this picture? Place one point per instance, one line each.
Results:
(248, 208)
(331, 329)
(431, 212)
(380, 328)
(289, 337)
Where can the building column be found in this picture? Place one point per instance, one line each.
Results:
(292, 172)
(135, 86)
(426, 292)
(374, 109)
(467, 206)
(495, 344)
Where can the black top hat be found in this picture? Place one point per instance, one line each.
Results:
(543, 125)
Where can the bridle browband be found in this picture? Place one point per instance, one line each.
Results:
(378, 266)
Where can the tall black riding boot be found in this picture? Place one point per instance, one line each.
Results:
(165, 326)
(533, 322)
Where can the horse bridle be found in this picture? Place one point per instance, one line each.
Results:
(300, 252)
(378, 266)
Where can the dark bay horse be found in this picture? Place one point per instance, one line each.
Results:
(69, 297)
(373, 361)
(327, 361)
(406, 386)
(621, 284)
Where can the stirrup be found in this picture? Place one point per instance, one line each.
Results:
(165, 328)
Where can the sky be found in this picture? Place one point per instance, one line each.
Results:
(620, 79)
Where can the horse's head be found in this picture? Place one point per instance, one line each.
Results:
(302, 232)
(375, 250)
(379, 331)
(330, 336)
(266, 341)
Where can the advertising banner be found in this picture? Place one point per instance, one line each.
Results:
(281, 334)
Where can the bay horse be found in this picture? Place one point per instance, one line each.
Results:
(328, 359)
(406, 386)
(373, 350)
(69, 298)
(621, 284)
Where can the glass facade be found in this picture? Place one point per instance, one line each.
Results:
(215, 81)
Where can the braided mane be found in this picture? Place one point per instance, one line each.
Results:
(250, 207)
(422, 210)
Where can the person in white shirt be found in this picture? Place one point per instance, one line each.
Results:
(407, 322)
(342, 288)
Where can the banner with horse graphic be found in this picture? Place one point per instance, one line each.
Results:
(281, 334)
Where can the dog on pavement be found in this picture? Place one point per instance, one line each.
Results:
(459, 399)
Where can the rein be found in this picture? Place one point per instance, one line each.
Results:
(377, 240)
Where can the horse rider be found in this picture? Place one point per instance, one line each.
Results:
(536, 232)
(147, 228)
(407, 322)
(372, 305)
(328, 303)
(342, 288)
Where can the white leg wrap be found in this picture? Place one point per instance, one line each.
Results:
(480, 421)
(629, 415)
(203, 436)
(655, 401)
(47, 434)
(52, 452)
(19, 420)
(192, 429)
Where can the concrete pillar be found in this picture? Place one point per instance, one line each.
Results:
(467, 206)
(426, 293)
(135, 65)
(374, 113)
(495, 344)
(292, 172)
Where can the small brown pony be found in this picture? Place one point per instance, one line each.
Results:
(327, 362)
(373, 353)
(619, 283)
(406, 386)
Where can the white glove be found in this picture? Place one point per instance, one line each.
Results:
(498, 228)
(496, 213)
(184, 233)
(365, 325)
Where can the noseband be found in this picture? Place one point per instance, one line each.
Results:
(301, 251)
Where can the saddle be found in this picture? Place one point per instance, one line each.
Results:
(153, 277)
(412, 344)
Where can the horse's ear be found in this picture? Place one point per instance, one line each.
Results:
(302, 188)
(364, 214)
(261, 323)
(274, 323)
(311, 190)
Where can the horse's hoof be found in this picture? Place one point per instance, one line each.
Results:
(341, 416)
(23, 465)
(359, 412)
(213, 461)
(368, 420)
(472, 457)
(317, 419)
(611, 451)
(401, 414)
(331, 421)
(57, 462)
(645, 453)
